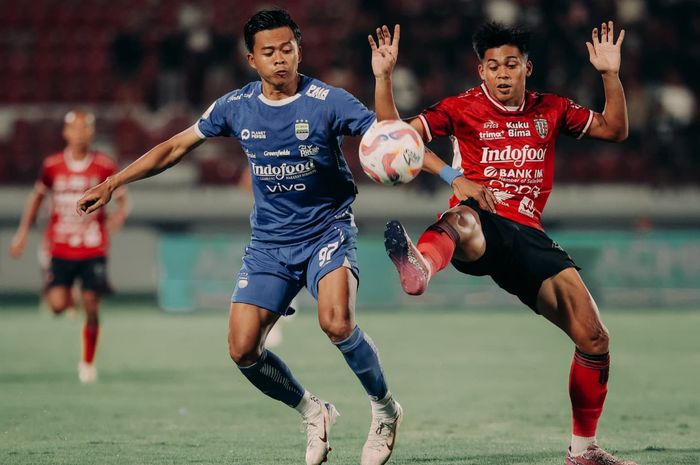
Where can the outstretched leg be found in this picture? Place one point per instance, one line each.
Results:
(565, 301)
(457, 233)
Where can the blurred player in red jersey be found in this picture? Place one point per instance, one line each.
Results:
(503, 138)
(77, 245)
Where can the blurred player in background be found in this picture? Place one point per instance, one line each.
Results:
(503, 138)
(303, 232)
(77, 245)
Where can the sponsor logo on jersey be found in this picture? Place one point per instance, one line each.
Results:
(502, 196)
(317, 92)
(308, 150)
(527, 207)
(542, 127)
(248, 153)
(239, 96)
(492, 135)
(248, 134)
(301, 129)
(517, 156)
(518, 129)
(516, 189)
(490, 125)
(285, 170)
(280, 188)
(277, 153)
(512, 173)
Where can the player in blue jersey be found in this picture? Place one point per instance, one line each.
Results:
(303, 234)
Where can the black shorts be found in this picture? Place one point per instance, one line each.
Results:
(91, 272)
(518, 257)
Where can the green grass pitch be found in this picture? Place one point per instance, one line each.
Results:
(477, 388)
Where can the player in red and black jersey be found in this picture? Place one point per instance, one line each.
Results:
(503, 139)
(77, 245)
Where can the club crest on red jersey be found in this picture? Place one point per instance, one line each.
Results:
(541, 127)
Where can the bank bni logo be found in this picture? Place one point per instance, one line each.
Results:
(301, 129)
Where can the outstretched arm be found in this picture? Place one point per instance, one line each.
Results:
(384, 58)
(158, 159)
(604, 53)
(462, 187)
(19, 241)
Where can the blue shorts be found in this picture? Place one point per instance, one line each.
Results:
(271, 277)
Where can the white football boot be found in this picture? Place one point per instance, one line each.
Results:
(87, 372)
(381, 438)
(317, 427)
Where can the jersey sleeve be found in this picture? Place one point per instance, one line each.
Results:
(214, 122)
(350, 116)
(44, 180)
(575, 119)
(436, 121)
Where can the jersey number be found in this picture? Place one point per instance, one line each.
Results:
(324, 255)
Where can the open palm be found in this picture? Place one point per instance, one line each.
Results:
(603, 51)
(385, 51)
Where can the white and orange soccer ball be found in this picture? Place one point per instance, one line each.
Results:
(391, 152)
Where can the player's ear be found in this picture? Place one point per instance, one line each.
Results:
(529, 68)
(481, 71)
(299, 54)
(251, 60)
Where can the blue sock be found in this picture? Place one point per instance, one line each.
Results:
(362, 357)
(273, 378)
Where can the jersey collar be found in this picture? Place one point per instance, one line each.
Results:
(284, 101)
(498, 104)
(77, 166)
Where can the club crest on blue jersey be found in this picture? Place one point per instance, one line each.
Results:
(541, 127)
(301, 129)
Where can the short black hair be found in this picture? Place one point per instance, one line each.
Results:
(493, 35)
(268, 19)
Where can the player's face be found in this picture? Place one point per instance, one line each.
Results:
(276, 56)
(79, 132)
(504, 70)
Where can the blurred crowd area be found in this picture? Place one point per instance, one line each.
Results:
(148, 68)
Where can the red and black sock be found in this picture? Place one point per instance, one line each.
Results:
(437, 244)
(588, 385)
(90, 334)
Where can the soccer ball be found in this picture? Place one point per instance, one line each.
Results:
(391, 152)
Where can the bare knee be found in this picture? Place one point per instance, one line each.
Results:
(58, 301)
(592, 338)
(337, 324)
(244, 353)
(471, 238)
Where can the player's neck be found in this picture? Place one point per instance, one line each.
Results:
(514, 102)
(280, 93)
(77, 153)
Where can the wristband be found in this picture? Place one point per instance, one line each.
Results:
(449, 174)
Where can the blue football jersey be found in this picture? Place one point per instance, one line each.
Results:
(301, 181)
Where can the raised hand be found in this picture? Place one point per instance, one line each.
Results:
(94, 198)
(465, 189)
(603, 51)
(385, 51)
